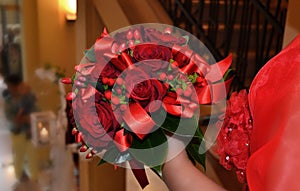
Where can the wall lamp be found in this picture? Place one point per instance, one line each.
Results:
(71, 10)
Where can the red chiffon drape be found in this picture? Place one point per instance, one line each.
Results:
(274, 100)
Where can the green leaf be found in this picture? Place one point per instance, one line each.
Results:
(169, 67)
(193, 147)
(152, 150)
(114, 156)
(187, 38)
(193, 152)
(105, 87)
(157, 170)
(227, 74)
(131, 53)
(180, 126)
(110, 155)
(73, 78)
(101, 162)
(90, 54)
(184, 85)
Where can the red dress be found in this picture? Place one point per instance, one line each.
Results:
(274, 97)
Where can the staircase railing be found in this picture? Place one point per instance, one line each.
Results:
(250, 29)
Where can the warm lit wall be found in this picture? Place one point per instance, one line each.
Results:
(47, 38)
(292, 27)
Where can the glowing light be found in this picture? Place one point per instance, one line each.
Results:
(10, 170)
(71, 10)
(44, 135)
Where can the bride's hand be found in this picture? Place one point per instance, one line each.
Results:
(180, 174)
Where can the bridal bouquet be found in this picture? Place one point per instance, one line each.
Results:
(136, 87)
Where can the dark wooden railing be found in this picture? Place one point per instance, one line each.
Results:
(252, 30)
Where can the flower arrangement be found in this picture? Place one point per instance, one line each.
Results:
(234, 138)
(136, 87)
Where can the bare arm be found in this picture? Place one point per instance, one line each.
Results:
(180, 174)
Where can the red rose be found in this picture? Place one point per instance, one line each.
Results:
(181, 56)
(143, 89)
(151, 51)
(110, 71)
(155, 56)
(95, 119)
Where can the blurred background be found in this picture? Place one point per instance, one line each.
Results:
(42, 40)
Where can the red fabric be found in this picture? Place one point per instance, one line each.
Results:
(275, 143)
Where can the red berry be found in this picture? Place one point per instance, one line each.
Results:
(187, 92)
(137, 35)
(122, 47)
(115, 48)
(66, 80)
(107, 94)
(129, 35)
(179, 91)
(82, 78)
(123, 107)
(111, 82)
(75, 131)
(78, 83)
(115, 167)
(168, 30)
(119, 81)
(93, 151)
(199, 79)
(170, 77)
(83, 148)
(130, 43)
(70, 96)
(104, 80)
(89, 155)
(115, 100)
(118, 90)
(163, 76)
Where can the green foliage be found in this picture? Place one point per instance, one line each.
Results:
(90, 54)
(114, 156)
(152, 150)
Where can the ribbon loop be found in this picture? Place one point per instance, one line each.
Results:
(138, 120)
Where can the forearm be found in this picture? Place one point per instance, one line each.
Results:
(180, 174)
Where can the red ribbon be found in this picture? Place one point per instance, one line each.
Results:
(127, 60)
(123, 140)
(179, 106)
(139, 172)
(115, 60)
(196, 65)
(138, 120)
(88, 92)
(218, 70)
